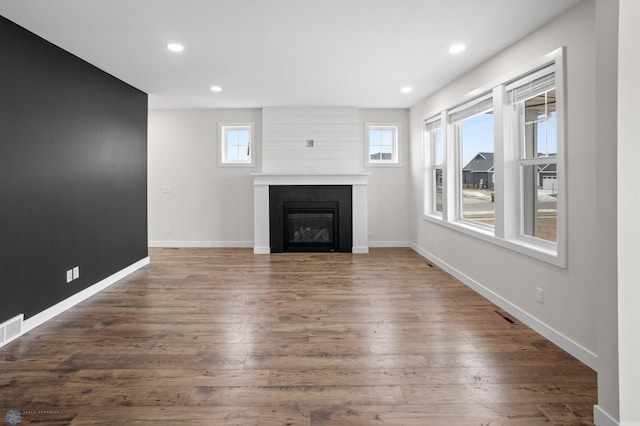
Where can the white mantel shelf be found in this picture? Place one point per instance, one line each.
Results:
(262, 181)
(310, 178)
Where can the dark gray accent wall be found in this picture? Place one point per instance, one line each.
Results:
(73, 173)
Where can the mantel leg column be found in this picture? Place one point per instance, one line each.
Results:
(360, 219)
(261, 242)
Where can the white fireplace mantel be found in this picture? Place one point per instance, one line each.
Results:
(262, 181)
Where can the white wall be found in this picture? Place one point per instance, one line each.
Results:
(208, 205)
(628, 208)
(389, 213)
(606, 130)
(213, 206)
(567, 315)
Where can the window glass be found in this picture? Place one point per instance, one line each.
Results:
(438, 147)
(438, 151)
(476, 149)
(382, 144)
(540, 126)
(437, 189)
(539, 180)
(236, 144)
(434, 157)
(540, 202)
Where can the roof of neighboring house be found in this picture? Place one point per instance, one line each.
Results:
(548, 168)
(384, 156)
(482, 162)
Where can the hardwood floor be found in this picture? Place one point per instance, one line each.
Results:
(226, 337)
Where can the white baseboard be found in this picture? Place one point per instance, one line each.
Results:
(602, 418)
(201, 244)
(354, 249)
(44, 316)
(389, 244)
(584, 355)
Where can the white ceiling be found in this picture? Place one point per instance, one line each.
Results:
(283, 52)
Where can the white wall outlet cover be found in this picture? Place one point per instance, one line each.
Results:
(76, 272)
(69, 275)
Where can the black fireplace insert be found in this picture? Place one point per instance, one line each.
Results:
(307, 218)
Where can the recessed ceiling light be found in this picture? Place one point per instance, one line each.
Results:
(457, 48)
(216, 89)
(406, 89)
(175, 47)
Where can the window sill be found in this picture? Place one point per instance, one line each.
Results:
(383, 165)
(236, 165)
(544, 254)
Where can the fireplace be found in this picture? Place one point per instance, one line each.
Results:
(304, 218)
(356, 239)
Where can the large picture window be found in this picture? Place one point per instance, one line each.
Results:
(504, 177)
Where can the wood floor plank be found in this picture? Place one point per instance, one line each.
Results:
(193, 416)
(429, 415)
(225, 337)
(296, 395)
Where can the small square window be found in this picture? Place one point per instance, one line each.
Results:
(382, 144)
(236, 144)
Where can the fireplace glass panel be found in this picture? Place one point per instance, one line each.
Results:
(310, 227)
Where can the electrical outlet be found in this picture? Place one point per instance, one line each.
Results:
(69, 276)
(169, 229)
(76, 272)
(539, 295)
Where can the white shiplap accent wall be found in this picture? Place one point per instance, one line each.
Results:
(335, 133)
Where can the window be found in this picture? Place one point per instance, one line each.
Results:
(472, 126)
(236, 144)
(533, 102)
(434, 159)
(494, 164)
(382, 144)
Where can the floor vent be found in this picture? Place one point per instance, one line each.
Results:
(505, 317)
(11, 329)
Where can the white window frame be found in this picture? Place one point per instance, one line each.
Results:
(473, 108)
(432, 125)
(519, 160)
(508, 231)
(394, 161)
(222, 144)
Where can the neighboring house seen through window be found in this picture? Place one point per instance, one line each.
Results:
(382, 143)
(473, 135)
